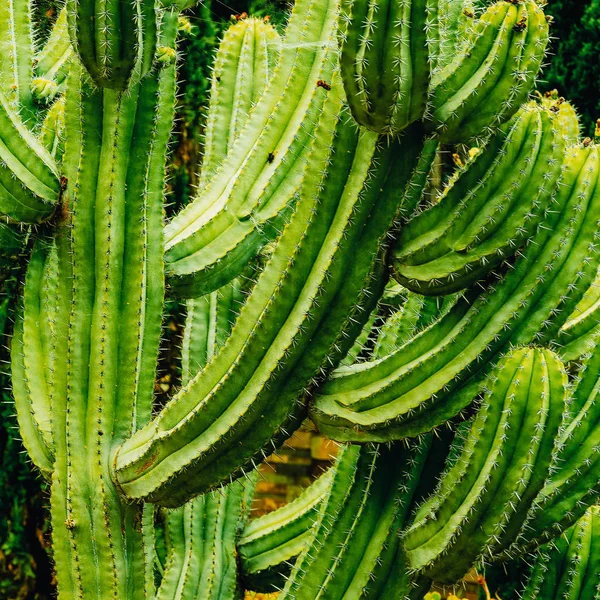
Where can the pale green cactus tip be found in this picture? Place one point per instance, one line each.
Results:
(283, 257)
(44, 90)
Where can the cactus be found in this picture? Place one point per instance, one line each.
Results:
(570, 566)
(322, 160)
(483, 498)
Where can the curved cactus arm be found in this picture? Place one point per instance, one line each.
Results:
(52, 132)
(578, 335)
(569, 566)
(491, 77)
(244, 66)
(53, 61)
(269, 544)
(115, 41)
(416, 314)
(477, 231)
(31, 360)
(250, 197)
(419, 386)
(482, 500)
(356, 549)
(16, 49)
(326, 291)
(29, 184)
(574, 484)
(385, 56)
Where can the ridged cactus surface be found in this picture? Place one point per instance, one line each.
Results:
(465, 393)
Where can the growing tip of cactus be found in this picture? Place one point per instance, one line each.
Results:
(44, 89)
(166, 55)
(184, 26)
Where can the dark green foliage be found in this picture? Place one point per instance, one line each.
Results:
(574, 56)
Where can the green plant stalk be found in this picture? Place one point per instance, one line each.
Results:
(568, 567)
(356, 550)
(269, 545)
(327, 293)
(504, 462)
(106, 321)
(16, 48)
(439, 372)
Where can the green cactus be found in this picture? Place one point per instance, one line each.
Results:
(568, 567)
(269, 544)
(283, 260)
(482, 500)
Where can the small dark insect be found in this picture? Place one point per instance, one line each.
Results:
(521, 24)
(63, 182)
(271, 157)
(324, 85)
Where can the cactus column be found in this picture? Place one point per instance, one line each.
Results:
(101, 292)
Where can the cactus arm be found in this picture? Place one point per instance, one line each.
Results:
(34, 352)
(144, 238)
(52, 62)
(33, 438)
(102, 185)
(16, 48)
(573, 483)
(577, 336)
(506, 38)
(114, 40)
(495, 222)
(52, 132)
(244, 199)
(244, 67)
(524, 62)
(269, 543)
(28, 176)
(356, 550)
(269, 279)
(385, 59)
(500, 476)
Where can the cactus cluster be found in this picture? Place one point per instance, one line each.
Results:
(465, 392)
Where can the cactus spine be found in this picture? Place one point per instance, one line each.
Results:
(328, 206)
